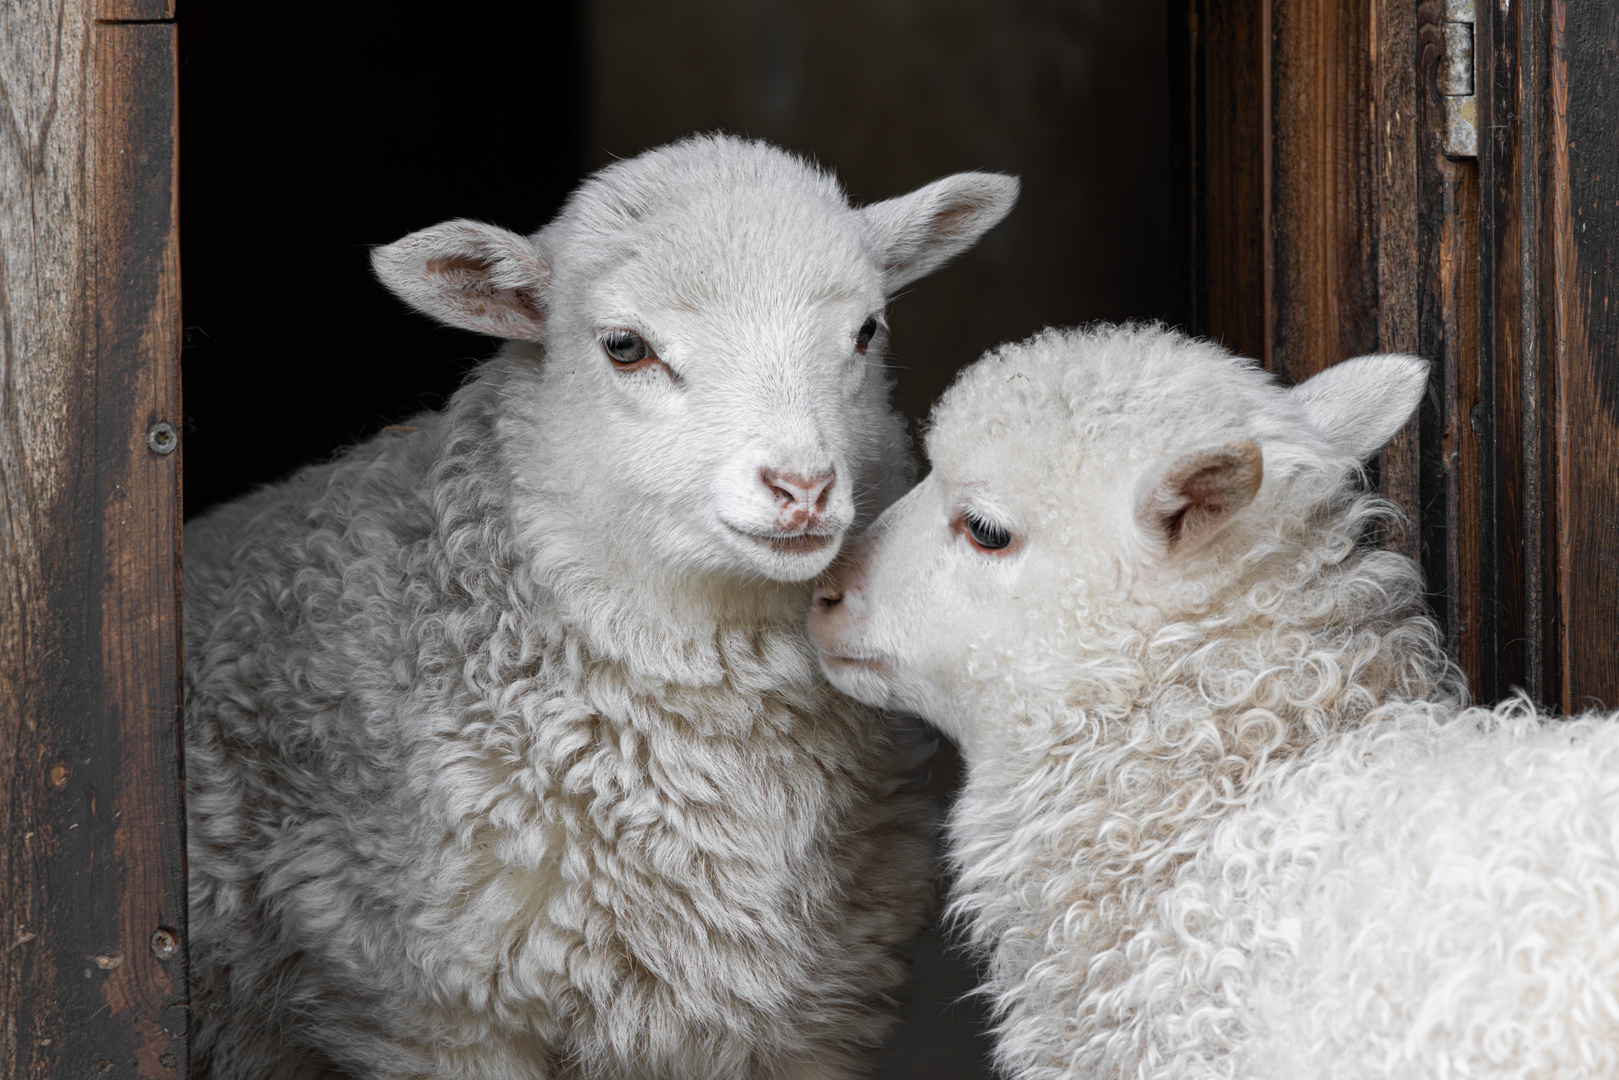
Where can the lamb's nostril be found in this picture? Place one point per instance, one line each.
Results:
(826, 597)
(811, 492)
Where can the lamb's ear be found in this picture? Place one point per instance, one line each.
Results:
(1182, 504)
(470, 275)
(916, 234)
(1360, 404)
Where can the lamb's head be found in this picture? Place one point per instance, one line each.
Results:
(1098, 500)
(705, 328)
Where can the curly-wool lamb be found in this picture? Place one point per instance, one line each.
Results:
(1227, 813)
(507, 755)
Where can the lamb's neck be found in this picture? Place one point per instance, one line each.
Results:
(690, 628)
(1149, 752)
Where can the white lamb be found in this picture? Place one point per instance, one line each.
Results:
(1226, 813)
(507, 754)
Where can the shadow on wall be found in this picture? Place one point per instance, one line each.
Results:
(305, 142)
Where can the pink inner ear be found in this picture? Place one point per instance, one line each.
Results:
(1201, 498)
(468, 289)
(1200, 490)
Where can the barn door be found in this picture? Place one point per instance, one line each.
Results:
(1438, 177)
(92, 877)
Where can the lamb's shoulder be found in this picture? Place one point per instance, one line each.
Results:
(325, 520)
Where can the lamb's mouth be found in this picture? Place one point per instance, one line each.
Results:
(874, 664)
(791, 543)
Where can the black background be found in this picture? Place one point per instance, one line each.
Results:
(304, 142)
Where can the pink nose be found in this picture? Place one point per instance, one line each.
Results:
(801, 499)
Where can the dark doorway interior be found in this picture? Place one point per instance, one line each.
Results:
(305, 141)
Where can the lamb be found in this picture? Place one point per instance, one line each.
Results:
(507, 754)
(1227, 812)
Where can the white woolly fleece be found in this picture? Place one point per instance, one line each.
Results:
(1227, 814)
(504, 757)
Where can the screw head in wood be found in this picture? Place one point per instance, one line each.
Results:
(162, 438)
(164, 943)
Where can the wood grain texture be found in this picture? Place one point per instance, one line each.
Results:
(1324, 184)
(1536, 356)
(1392, 43)
(134, 10)
(1501, 271)
(1447, 308)
(1234, 122)
(1500, 482)
(89, 631)
(1583, 161)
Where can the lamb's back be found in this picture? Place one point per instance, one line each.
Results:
(1447, 889)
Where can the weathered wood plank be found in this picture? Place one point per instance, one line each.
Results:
(46, 340)
(89, 635)
(1499, 494)
(1536, 357)
(1392, 44)
(137, 423)
(1235, 122)
(134, 10)
(1324, 183)
(1447, 306)
(1583, 159)
(1501, 271)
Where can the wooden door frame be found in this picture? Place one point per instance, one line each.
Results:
(92, 874)
(1321, 217)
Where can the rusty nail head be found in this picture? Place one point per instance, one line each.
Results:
(60, 771)
(164, 943)
(162, 438)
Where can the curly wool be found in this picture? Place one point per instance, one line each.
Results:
(1236, 820)
(434, 830)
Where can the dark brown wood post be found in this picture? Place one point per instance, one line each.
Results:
(1501, 266)
(92, 873)
(1549, 171)
(1582, 181)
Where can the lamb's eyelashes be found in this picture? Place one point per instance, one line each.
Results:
(985, 535)
(630, 352)
(863, 337)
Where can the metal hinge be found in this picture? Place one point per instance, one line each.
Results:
(1456, 81)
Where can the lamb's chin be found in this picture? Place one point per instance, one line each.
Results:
(864, 678)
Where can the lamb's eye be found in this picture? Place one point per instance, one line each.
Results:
(985, 535)
(868, 330)
(626, 348)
